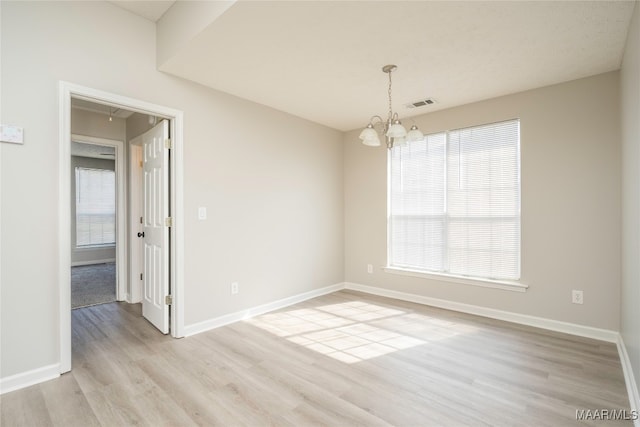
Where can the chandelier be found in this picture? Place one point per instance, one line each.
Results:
(391, 129)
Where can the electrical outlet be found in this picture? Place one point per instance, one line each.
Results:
(369, 268)
(577, 297)
(234, 288)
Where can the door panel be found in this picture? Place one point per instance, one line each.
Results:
(156, 233)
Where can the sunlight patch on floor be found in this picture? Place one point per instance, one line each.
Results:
(353, 331)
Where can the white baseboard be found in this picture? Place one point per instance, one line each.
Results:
(629, 379)
(523, 319)
(217, 322)
(29, 378)
(95, 261)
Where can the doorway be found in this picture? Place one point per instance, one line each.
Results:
(97, 221)
(174, 249)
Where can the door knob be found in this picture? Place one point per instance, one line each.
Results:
(141, 234)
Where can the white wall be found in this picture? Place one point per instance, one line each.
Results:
(630, 101)
(272, 182)
(570, 154)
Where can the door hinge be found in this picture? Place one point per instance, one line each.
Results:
(140, 163)
(168, 144)
(168, 221)
(140, 220)
(140, 276)
(168, 300)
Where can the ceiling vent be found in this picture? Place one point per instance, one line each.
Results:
(421, 103)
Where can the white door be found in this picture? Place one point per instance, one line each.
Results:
(156, 232)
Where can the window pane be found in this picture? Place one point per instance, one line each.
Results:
(455, 202)
(95, 207)
(417, 194)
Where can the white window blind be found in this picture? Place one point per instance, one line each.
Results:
(455, 203)
(95, 207)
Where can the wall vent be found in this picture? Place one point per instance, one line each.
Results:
(421, 103)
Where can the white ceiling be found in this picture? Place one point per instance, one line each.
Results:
(103, 109)
(322, 60)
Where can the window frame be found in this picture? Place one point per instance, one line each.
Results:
(89, 246)
(515, 284)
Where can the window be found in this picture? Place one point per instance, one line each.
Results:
(95, 207)
(455, 203)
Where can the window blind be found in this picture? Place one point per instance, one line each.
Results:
(455, 202)
(95, 207)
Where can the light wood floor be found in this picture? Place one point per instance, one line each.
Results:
(341, 360)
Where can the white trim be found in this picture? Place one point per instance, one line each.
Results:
(29, 378)
(66, 91)
(64, 227)
(522, 319)
(94, 261)
(227, 319)
(87, 248)
(135, 212)
(177, 230)
(485, 283)
(629, 379)
(121, 210)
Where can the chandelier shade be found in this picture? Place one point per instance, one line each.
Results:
(369, 136)
(396, 130)
(414, 134)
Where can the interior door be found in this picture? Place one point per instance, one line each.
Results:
(156, 231)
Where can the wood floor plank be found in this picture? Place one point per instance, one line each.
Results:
(24, 407)
(343, 359)
(186, 391)
(67, 404)
(113, 407)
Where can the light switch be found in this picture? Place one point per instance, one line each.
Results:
(12, 134)
(202, 213)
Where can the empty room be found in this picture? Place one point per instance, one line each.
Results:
(319, 213)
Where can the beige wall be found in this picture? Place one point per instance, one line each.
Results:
(272, 182)
(570, 154)
(630, 97)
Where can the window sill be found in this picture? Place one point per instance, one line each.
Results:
(485, 283)
(94, 247)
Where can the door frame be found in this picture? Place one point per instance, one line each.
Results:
(66, 91)
(135, 212)
(121, 207)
